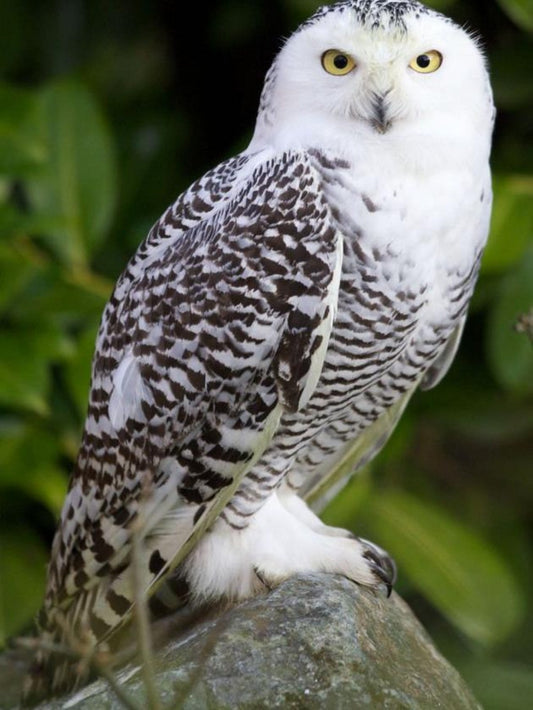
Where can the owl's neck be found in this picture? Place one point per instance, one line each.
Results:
(416, 148)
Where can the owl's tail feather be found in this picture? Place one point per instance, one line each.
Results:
(49, 676)
(60, 665)
(77, 639)
(72, 645)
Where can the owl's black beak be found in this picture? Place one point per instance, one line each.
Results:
(379, 119)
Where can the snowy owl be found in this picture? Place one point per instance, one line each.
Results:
(276, 319)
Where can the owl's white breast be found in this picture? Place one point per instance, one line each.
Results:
(427, 206)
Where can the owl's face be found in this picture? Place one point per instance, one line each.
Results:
(381, 78)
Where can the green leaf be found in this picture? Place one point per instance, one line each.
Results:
(23, 563)
(471, 403)
(454, 567)
(512, 223)
(25, 356)
(78, 369)
(15, 271)
(520, 11)
(14, 224)
(66, 295)
(77, 187)
(500, 686)
(22, 150)
(29, 462)
(510, 353)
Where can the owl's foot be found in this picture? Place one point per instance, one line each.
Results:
(370, 566)
(382, 564)
(276, 544)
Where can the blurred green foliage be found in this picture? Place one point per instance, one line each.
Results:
(108, 111)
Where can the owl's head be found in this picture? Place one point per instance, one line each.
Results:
(377, 68)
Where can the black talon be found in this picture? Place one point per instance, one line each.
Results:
(263, 580)
(381, 564)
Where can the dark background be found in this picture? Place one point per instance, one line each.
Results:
(107, 112)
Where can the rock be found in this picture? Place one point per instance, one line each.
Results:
(317, 641)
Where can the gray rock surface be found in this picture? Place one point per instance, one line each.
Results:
(317, 641)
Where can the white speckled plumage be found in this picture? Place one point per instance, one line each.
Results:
(282, 311)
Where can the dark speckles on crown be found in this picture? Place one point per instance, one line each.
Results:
(374, 13)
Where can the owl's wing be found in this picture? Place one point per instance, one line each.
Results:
(212, 332)
(437, 371)
(318, 490)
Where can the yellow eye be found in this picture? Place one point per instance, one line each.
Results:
(427, 62)
(337, 63)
